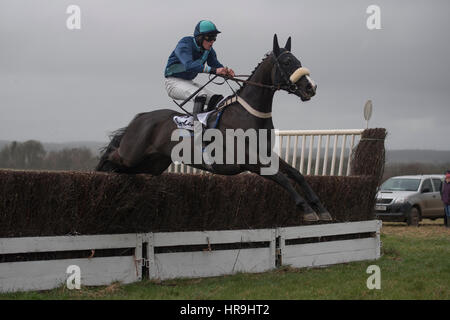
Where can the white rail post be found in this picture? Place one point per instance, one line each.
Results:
(319, 146)
(333, 158)
(288, 146)
(280, 145)
(311, 142)
(352, 142)
(302, 157)
(325, 157)
(294, 156)
(341, 160)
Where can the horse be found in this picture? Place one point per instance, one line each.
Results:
(145, 145)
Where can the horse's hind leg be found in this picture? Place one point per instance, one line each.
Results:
(311, 196)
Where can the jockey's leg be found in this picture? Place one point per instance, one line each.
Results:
(199, 104)
(181, 89)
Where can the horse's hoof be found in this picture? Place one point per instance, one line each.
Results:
(310, 217)
(325, 216)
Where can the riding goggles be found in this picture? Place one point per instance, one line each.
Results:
(210, 38)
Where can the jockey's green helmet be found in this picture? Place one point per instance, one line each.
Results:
(205, 27)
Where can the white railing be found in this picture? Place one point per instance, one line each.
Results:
(148, 260)
(345, 138)
(303, 149)
(48, 273)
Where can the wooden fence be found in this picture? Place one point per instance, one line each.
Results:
(48, 274)
(171, 255)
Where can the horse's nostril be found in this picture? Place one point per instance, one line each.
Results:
(310, 89)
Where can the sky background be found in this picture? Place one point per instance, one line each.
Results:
(60, 85)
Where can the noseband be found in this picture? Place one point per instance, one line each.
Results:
(289, 83)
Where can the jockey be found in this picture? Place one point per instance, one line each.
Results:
(194, 55)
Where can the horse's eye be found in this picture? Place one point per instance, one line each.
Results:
(287, 62)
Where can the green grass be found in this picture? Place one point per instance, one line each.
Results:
(412, 267)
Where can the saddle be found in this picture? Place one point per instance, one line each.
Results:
(187, 121)
(208, 119)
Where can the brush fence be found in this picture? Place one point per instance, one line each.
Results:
(171, 255)
(312, 152)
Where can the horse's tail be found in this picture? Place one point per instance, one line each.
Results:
(104, 163)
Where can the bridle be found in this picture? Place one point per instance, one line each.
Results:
(288, 82)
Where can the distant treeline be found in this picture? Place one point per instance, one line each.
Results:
(32, 155)
(400, 169)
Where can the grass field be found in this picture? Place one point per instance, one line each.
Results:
(415, 264)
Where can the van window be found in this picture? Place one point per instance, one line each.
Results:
(400, 184)
(437, 184)
(427, 185)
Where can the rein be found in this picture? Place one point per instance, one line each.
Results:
(252, 83)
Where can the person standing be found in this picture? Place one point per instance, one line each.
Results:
(445, 196)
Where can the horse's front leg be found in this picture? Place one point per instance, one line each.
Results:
(311, 196)
(308, 213)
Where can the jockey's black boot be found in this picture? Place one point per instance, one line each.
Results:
(199, 104)
(215, 99)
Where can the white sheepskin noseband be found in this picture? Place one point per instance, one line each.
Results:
(300, 72)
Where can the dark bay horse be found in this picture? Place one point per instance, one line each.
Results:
(145, 145)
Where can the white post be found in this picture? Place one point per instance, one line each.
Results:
(341, 160)
(302, 157)
(294, 156)
(333, 158)
(352, 142)
(280, 145)
(311, 142)
(319, 146)
(325, 158)
(288, 146)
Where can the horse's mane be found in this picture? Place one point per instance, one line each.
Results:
(253, 72)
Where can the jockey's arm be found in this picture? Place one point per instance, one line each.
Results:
(217, 67)
(184, 53)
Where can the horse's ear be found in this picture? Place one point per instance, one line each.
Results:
(276, 47)
(288, 44)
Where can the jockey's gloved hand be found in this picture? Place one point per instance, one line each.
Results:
(225, 72)
(230, 72)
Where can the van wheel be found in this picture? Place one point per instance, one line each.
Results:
(413, 217)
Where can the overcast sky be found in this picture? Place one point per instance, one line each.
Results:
(60, 85)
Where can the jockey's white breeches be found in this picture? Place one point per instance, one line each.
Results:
(181, 89)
